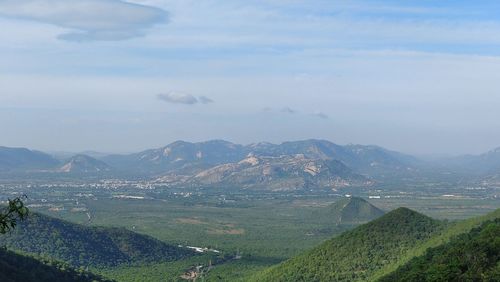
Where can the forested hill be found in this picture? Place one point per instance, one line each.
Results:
(15, 267)
(81, 245)
(472, 256)
(357, 254)
(398, 247)
(353, 210)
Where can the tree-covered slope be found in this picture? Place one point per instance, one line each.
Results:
(357, 254)
(442, 237)
(15, 267)
(472, 256)
(81, 245)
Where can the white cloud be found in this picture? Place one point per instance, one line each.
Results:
(176, 97)
(87, 20)
(288, 110)
(291, 111)
(205, 100)
(320, 115)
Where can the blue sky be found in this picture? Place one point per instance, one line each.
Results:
(421, 77)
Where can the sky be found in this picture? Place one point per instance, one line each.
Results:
(421, 77)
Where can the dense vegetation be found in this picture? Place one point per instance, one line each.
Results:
(357, 254)
(15, 267)
(452, 230)
(473, 256)
(466, 250)
(80, 245)
(10, 214)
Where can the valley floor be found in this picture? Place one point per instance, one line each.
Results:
(259, 229)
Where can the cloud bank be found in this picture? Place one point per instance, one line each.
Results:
(176, 97)
(205, 100)
(288, 110)
(88, 20)
(291, 111)
(321, 115)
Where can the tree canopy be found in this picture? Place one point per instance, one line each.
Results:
(9, 215)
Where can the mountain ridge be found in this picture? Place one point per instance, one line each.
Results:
(83, 164)
(13, 159)
(182, 156)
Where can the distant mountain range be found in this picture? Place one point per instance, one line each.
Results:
(308, 164)
(184, 156)
(285, 166)
(486, 163)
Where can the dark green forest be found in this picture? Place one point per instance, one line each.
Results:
(16, 267)
(80, 245)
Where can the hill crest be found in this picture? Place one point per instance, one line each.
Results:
(354, 210)
(357, 254)
(84, 164)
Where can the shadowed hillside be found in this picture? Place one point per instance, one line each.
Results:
(15, 267)
(88, 246)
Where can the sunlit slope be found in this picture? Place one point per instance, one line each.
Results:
(471, 256)
(357, 254)
(81, 245)
(443, 237)
(373, 250)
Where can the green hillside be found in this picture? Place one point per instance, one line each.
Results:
(353, 210)
(81, 245)
(357, 254)
(15, 267)
(402, 242)
(443, 237)
(472, 256)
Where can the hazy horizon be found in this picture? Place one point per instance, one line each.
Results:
(60, 152)
(121, 76)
